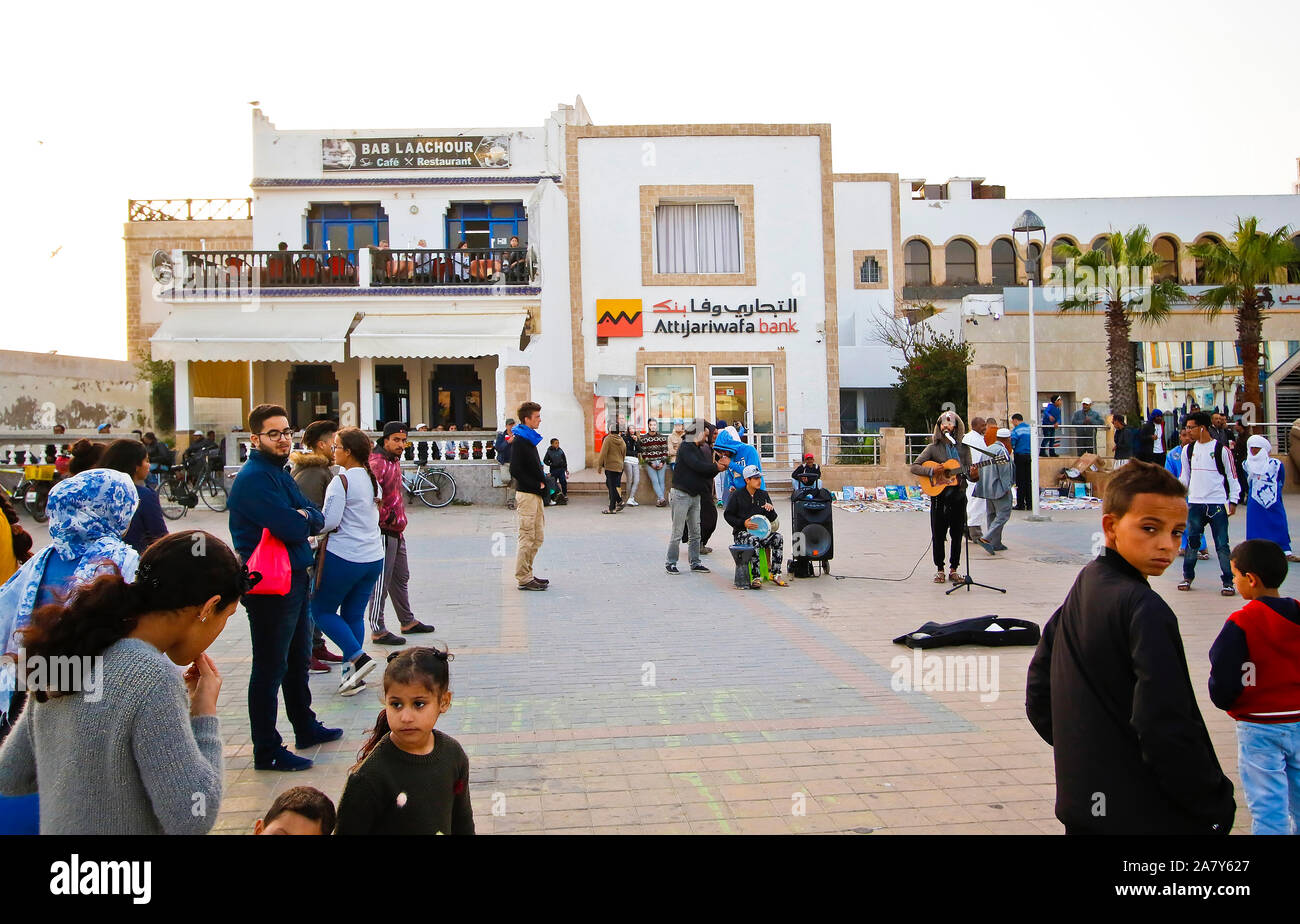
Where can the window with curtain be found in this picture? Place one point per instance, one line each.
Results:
(1004, 263)
(699, 237)
(959, 262)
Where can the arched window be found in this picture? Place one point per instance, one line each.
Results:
(959, 262)
(1035, 270)
(1200, 270)
(869, 271)
(1293, 271)
(1060, 261)
(1004, 262)
(1166, 248)
(917, 263)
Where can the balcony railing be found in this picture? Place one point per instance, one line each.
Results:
(189, 209)
(234, 273)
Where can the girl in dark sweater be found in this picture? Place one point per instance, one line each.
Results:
(409, 778)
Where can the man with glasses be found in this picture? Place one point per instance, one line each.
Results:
(265, 497)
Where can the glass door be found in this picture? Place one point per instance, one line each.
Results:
(731, 401)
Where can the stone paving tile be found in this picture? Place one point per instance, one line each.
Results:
(623, 701)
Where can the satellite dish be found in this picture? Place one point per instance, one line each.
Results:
(162, 268)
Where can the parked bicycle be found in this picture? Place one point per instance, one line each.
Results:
(176, 494)
(435, 487)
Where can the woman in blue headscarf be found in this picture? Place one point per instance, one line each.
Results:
(88, 514)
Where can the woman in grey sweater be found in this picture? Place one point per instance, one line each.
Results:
(112, 738)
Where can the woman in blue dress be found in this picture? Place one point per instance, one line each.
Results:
(1265, 514)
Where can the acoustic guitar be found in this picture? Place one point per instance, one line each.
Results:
(933, 488)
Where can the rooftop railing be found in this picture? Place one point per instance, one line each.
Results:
(189, 209)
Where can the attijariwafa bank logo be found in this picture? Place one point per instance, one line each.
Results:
(622, 317)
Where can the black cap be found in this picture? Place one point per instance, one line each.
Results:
(395, 426)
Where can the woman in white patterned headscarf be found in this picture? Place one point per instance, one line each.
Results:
(88, 514)
(1265, 515)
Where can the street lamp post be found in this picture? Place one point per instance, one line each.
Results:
(1026, 226)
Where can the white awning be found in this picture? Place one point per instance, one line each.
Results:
(447, 334)
(216, 333)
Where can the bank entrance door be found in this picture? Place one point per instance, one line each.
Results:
(744, 394)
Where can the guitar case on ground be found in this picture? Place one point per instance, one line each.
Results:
(992, 631)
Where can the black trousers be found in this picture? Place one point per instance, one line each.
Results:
(561, 476)
(1024, 483)
(708, 520)
(612, 480)
(948, 519)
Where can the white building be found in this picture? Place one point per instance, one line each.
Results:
(620, 273)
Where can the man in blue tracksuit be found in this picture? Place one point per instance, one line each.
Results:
(1023, 454)
(265, 496)
(742, 454)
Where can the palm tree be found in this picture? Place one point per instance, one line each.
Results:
(1122, 284)
(1237, 269)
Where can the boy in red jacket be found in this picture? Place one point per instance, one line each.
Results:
(1255, 677)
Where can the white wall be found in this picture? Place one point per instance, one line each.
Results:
(786, 175)
(1186, 217)
(863, 214)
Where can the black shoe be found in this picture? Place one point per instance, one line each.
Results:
(389, 638)
(540, 580)
(416, 628)
(671, 568)
(1000, 548)
(700, 569)
(284, 760)
(534, 584)
(320, 735)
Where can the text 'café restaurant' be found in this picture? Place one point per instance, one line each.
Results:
(615, 274)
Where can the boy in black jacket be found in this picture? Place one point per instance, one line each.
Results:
(559, 465)
(1108, 686)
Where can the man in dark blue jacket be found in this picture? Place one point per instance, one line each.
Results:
(265, 496)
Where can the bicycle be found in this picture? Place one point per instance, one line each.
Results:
(435, 487)
(175, 494)
(210, 485)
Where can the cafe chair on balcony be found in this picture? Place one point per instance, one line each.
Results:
(308, 270)
(340, 270)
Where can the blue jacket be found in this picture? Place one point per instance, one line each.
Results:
(1020, 439)
(1051, 416)
(742, 454)
(264, 495)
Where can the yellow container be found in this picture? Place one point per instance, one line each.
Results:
(38, 472)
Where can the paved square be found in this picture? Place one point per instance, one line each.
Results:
(627, 700)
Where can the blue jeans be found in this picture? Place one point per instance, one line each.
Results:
(281, 636)
(1268, 759)
(1216, 517)
(656, 479)
(341, 598)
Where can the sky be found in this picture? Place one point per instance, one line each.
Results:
(133, 100)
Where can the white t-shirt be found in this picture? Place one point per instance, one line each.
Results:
(1158, 447)
(1202, 478)
(356, 517)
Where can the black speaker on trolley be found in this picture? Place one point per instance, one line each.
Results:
(813, 531)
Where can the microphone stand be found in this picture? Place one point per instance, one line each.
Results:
(968, 582)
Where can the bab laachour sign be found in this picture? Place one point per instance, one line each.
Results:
(459, 152)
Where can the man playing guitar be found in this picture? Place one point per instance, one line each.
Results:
(948, 507)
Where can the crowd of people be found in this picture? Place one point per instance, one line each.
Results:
(318, 548)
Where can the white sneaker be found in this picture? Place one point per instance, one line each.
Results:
(633, 503)
(354, 673)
